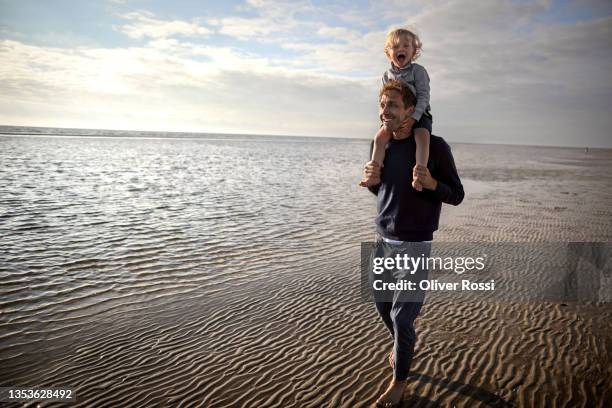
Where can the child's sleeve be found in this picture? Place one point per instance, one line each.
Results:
(385, 78)
(421, 83)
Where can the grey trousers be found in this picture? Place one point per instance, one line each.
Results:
(399, 309)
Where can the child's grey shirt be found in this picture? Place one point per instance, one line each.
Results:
(417, 79)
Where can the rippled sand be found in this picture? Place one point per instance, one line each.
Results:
(225, 273)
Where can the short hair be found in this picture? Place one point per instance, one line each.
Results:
(396, 35)
(396, 85)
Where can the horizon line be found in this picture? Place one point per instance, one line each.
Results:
(3, 133)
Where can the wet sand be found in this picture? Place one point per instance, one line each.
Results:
(297, 334)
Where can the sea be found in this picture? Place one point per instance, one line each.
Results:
(114, 239)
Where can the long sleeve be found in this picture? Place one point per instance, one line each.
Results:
(421, 84)
(404, 213)
(449, 189)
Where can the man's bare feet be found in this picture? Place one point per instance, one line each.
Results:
(391, 362)
(393, 396)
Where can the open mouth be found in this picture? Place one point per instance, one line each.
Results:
(401, 58)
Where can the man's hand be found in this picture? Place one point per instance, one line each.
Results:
(371, 174)
(423, 176)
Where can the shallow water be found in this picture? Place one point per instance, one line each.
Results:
(123, 257)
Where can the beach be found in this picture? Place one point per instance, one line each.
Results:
(216, 271)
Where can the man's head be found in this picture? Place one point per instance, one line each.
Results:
(396, 103)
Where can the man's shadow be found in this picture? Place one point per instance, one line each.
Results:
(478, 394)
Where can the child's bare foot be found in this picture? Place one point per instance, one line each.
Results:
(416, 184)
(393, 396)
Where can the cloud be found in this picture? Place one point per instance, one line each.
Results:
(341, 34)
(501, 71)
(245, 28)
(146, 87)
(143, 25)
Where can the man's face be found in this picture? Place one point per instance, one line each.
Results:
(392, 110)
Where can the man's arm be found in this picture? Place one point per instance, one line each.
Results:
(449, 189)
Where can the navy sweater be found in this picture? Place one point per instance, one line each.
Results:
(406, 214)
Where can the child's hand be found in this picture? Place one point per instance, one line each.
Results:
(406, 127)
(408, 122)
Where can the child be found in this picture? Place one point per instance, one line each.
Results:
(402, 47)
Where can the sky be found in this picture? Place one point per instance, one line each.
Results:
(515, 72)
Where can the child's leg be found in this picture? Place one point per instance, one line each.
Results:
(421, 137)
(383, 136)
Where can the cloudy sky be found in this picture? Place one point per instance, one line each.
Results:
(501, 71)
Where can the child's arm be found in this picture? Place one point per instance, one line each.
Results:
(421, 85)
(421, 91)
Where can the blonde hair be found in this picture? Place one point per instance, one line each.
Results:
(397, 34)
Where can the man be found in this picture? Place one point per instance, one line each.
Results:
(407, 217)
